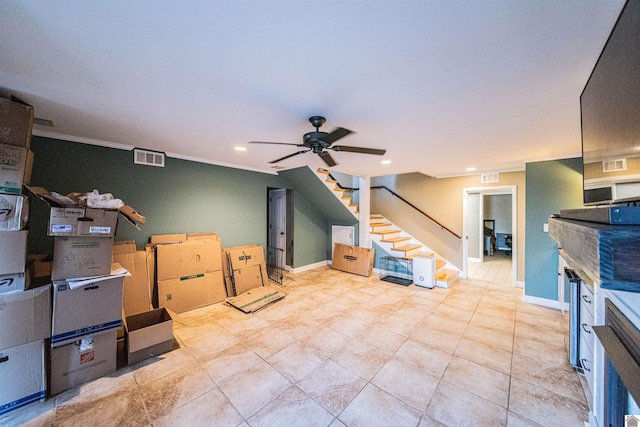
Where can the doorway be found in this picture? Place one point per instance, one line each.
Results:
(279, 232)
(478, 201)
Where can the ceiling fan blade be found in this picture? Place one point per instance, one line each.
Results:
(290, 155)
(324, 155)
(275, 143)
(336, 135)
(362, 150)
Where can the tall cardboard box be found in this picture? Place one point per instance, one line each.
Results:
(22, 376)
(75, 257)
(13, 252)
(15, 168)
(14, 212)
(16, 123)
(353, 259)
(26, 323)
(137, 291)
(86, 359)
(88, 309)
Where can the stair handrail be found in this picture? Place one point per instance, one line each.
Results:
(384, 187)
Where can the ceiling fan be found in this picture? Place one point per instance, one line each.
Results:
(319, 142)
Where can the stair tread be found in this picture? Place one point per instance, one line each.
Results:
(429, 254)
(395, 239)
(440, 263)
(407, 247)
(447, 274)
(383, 232)
(323, 171)
(381, 224)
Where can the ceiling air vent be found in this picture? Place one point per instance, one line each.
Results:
(487, 178)
(614, 165)
(145, 157)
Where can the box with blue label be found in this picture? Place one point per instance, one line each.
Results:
(91, 308)
(80, 221)
(22, 376)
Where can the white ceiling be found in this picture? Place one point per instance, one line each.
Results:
(442, 85)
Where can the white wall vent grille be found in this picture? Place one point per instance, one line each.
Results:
(145, 157)
(487, 178)
(614, 165)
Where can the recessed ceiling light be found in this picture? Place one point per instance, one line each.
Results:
(471, 169)
(240, 148)
(385, 162)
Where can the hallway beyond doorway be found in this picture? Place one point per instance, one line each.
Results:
(495, 268)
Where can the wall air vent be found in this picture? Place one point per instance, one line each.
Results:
(146, 157)
(614, 165)
(487, 178)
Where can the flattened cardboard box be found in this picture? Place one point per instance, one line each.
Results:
(84, 360)
(80, 221)
(248, 278)
(189, 292)
(175, 260)
(13, 247)
(137, 290)
(14, 212)
(226, 268)
(81, 257)
(15, 168)
(256, 299)
(148, 334)
(158, 239)
(16, 123)
(88, 309)
(25, 316)
(353, 259)
(22, 376)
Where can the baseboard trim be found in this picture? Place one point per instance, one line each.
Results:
(519, 284)
(544, 302)
(309, 267)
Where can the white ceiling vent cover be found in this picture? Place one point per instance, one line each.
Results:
(145, 157)
(487, 178)
(614, 165)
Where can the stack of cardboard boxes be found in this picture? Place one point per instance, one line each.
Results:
(25, 313)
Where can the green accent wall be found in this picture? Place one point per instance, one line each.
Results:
(184, 196)
(551, 186)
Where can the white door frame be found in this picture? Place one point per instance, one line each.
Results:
(491, 191)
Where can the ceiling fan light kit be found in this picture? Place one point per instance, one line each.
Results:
(319, 142)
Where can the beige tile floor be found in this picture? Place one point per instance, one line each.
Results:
(345, 350)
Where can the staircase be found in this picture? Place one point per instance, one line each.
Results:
(340, 192)
(396, 242)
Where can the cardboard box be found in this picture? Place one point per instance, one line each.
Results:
(207, 235)
(15, 168)
(14, 212)
(248, 278)
(88, 309)
(127, 212)
(16, 123)
(187, 258)
(353, 259)
(186, 293)
(22, 376)
(256, 299)
(148, 334)
(226, 268)
(245, 256)
(84, 360)
(167, 238)
(15, 282)
(25, 316)
(13, 252)
(136, 292)
(79, 221)
(81, 257)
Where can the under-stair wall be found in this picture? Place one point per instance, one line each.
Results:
(440, 241)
